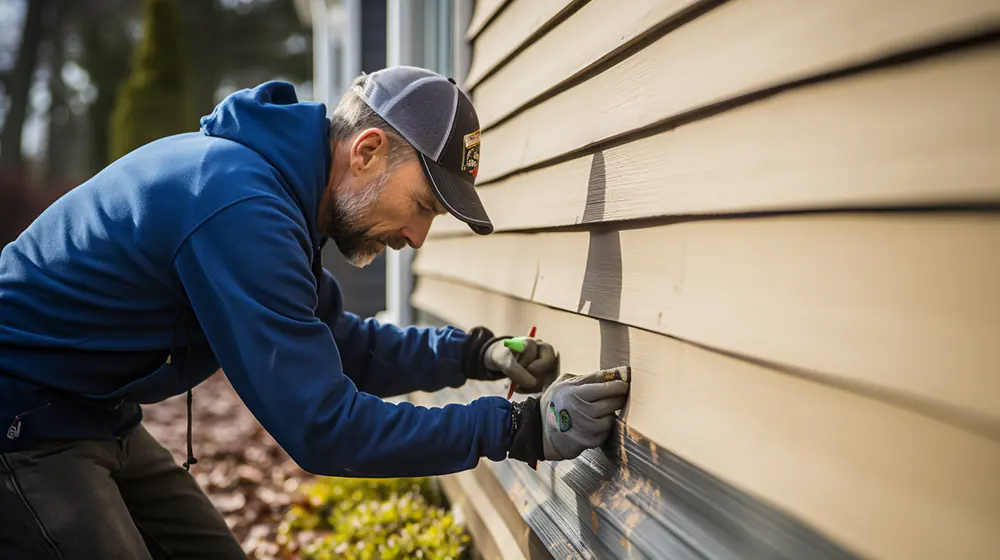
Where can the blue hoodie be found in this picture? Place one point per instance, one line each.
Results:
(201, 250)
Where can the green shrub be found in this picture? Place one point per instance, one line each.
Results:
(369, 519)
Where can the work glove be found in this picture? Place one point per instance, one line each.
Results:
(530, 363)
(576, 413)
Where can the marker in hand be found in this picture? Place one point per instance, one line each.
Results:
(517, 345)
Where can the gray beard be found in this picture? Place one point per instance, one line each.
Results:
(345, 223)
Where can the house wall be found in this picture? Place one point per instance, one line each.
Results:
(783, 216)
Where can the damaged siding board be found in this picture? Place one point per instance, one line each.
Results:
(872, 477)
(634, 499)
(518, 23)
(737, 49)
(855, 142)
(868, 300)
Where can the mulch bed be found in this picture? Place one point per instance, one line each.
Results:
(248, 477)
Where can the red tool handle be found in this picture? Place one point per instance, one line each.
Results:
(510, 391)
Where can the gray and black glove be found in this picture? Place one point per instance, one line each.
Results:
(532, 368)
(576, 413)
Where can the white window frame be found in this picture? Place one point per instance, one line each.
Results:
(413, 27)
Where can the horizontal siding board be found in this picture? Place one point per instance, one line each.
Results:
(908, 303)
(878, 479)
(739, 48)
(515, 25)
(483, 13)
(522, 79)
(920, 134)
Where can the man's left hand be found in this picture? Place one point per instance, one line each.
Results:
(532, 370)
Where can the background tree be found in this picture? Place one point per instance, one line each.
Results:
(104, 54)
(78, 53)
(63, 64)
(17, 86)
(155, 100)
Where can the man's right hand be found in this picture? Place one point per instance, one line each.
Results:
(575, 413)
(531, 370)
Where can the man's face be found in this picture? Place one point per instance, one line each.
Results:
(368, 207)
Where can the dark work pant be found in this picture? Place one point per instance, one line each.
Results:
(125, 499)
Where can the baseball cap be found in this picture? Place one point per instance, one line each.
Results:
(439, 121)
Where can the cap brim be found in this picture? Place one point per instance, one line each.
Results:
(457, 195)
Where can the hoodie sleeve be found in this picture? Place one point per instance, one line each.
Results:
(387, 360)
(248, 277)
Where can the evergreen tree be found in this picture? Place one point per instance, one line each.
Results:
(154, 101)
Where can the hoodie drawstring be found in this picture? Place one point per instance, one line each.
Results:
(186, 367)
(190, 399)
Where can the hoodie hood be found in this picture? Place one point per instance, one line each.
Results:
(293, 136)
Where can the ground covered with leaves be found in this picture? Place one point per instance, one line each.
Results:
(277, 510)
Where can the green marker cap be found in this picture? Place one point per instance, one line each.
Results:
(517, 344)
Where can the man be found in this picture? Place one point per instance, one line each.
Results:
(202, 251)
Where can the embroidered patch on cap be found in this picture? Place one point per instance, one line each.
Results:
(470, 153)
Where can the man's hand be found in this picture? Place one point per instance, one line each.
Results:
(531, 369)
(577, 412)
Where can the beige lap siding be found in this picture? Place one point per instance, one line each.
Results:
(741, 47)
(914, 135)
(805, 284)
(484, 12)
(908, 304)
(601, 29)
(513, 27)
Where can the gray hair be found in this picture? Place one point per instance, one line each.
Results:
(352, 115)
